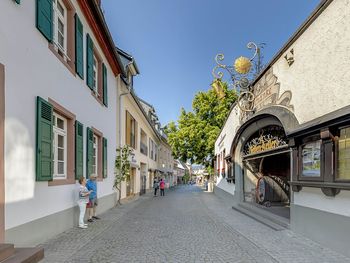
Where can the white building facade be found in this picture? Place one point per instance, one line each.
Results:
(290, 156)
(58, 78)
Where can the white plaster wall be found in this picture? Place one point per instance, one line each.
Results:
(320, 74)
(224, 142)
(314, 198)
(224, 185)
(33, 70)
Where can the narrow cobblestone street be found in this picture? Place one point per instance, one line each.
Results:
(187, 225)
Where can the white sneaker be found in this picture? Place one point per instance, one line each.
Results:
(82, 226)
(85, 224)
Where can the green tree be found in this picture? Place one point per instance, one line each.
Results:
(186, 177)
(193, 137)
(122, 168)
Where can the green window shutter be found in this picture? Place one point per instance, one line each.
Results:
(79, 150)
(89, 151)
(44, 138)
(44, 17)
(104, 74)
(89, 62)
(79, 49)
(104, 165)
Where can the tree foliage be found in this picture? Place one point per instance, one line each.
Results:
(193, 137)
(122, 168)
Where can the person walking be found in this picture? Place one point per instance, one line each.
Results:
(82, 201)
(162, 186)
(155, 187)
(92, 185)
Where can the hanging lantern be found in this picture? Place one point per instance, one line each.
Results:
(217, 86)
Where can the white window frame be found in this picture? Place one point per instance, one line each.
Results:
(63, 18)
(95, 148)
(62, 132)
(95, 74)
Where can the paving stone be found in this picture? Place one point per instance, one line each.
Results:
(186, 225)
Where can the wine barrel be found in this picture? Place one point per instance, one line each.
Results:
(268, 190)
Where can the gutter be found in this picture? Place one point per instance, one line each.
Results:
(101, 19)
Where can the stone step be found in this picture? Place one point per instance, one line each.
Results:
(264, 212)
(6, 250)
(260, 217)
(25, 255)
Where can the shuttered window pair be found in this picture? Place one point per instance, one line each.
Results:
(45, 145)
(92, 70)
(45, 24)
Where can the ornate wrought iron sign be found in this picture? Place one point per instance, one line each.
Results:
(267, 140)
(240, 74)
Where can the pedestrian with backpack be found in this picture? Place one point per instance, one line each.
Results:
(155, 187)
(162, 187)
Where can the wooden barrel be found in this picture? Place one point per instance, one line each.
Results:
(268, 190)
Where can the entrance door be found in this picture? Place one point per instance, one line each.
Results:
(266, 182)
(130, 184)
(143, 178)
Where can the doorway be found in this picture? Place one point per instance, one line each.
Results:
(130, 184)
(143, 178)
(266, 180)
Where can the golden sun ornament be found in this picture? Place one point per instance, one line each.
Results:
(243, 65)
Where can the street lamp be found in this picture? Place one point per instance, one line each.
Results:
(241, 74)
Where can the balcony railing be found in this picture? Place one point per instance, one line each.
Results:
(143, 148)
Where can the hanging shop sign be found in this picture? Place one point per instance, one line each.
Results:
(265, 140)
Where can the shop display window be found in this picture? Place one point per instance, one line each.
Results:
(311, 159)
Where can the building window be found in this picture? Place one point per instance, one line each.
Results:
(59, 147)
(143, 143)
(60, 27)
(95, 156)
(311, 159)
(343, 160)
(95, 76)
(131, 127)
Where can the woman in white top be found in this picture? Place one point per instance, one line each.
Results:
(82, 201)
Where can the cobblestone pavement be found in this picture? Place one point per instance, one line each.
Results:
(186, 225)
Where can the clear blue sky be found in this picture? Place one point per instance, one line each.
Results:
(174, 42)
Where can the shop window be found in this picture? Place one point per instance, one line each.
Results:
(343, 155)
(311, 159)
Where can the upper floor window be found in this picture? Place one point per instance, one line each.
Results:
(143, 143)
(59, 147)
(95, 75)
(60, 25)
(131, 127)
